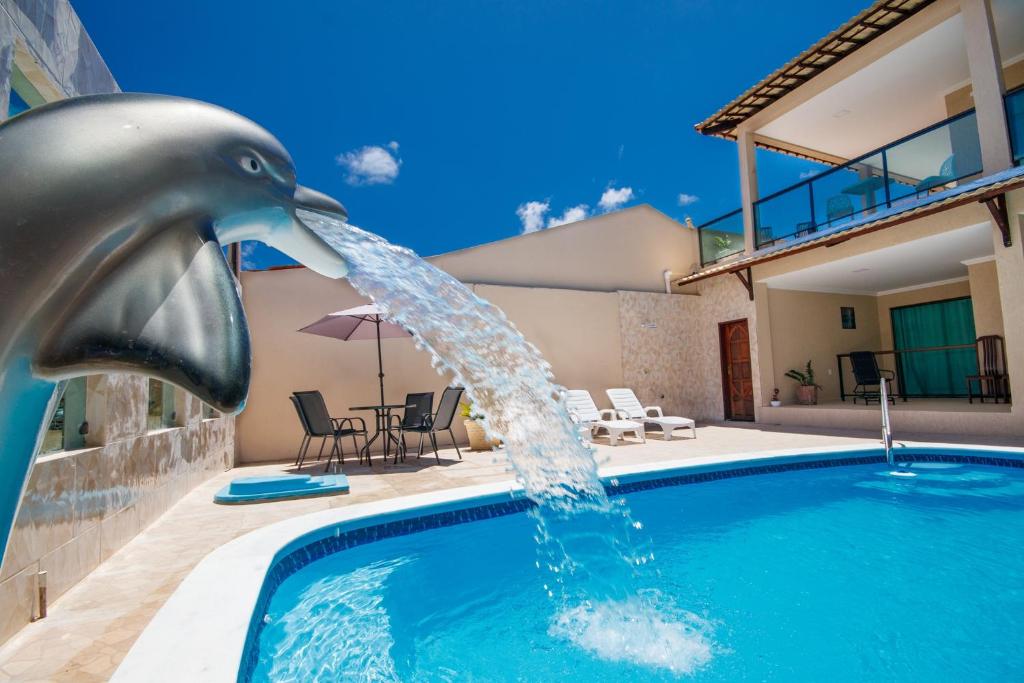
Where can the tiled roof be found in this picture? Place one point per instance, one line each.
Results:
(881, 16)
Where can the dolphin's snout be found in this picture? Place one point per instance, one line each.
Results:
(312, 200)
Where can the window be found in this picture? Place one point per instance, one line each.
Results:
(24, 95)
(67, 428)
(849, 317)
(161, 405)
(209, 413)
(16, 104)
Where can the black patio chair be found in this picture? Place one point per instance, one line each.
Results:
(320, 424)
(992, 380)
(867, 375)
(441, 421)
(419, 409)
(306, 436)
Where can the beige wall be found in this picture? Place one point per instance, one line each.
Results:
(628, 249)
(984, 286)
(886, 303)
(576, 331)
(82, 506)
(961, 100)
(807, 326)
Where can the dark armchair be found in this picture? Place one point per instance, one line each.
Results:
(991, 380)
(440, 421)
(318, 423)
(869, 377)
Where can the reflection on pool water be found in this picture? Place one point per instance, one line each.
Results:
(818, 574)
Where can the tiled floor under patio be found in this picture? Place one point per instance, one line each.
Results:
(92, 626)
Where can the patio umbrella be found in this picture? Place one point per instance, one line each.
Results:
(359, 323)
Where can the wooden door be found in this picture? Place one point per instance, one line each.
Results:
(737, 375)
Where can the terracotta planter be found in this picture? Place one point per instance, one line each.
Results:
(478, 440)
(807, 395)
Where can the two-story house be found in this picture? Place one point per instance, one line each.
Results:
(907, 244)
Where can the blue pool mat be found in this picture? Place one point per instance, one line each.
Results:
(259, 489)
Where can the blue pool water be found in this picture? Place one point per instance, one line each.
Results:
(818, 574)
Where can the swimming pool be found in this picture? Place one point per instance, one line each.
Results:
(812, 571)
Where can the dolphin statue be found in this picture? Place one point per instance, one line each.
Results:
(113, 212)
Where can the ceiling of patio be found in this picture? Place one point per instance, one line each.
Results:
(931, 260)
(898, 94)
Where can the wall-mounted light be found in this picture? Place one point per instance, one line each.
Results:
(648, 325)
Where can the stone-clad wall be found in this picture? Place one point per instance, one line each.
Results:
(81, 506)
(670, 347)
(49, 38)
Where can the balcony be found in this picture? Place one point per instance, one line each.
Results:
(901, 173)
(721, 238)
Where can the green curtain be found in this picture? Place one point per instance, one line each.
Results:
(941, 323)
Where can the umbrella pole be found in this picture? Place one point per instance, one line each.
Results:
(380, 363)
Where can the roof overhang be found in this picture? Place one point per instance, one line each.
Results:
(871, 23)
(982, 190)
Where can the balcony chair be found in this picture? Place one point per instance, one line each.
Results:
(838, 207)
(869, 377)
(418, 411)
(628, 407)
(992, 380)
(764, 237)
(947, 174)
(441, 421)
(319, 424)
(805, 228)
(584, 412)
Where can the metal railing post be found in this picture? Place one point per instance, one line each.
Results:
(886, 425)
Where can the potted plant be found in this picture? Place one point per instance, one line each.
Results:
(722, 244)
(478, 440)
(807, 389)
(775, 398)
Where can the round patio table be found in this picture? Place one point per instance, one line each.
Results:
(382, 415)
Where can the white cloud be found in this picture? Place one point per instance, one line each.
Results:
(571, 215)
(248, 251)
(370, 165)
(532, 215)
(613, 198)
(687, 199)
(807, 174)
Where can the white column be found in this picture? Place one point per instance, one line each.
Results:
(987, 84)
(748, 185)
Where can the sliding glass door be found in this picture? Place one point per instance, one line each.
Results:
(936, 373)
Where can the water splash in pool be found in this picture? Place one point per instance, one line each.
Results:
(589, 545)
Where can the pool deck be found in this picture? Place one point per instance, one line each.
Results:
(92, 626)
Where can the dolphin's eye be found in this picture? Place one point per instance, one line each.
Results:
(250, 164)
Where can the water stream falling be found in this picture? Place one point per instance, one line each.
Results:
(597, 563)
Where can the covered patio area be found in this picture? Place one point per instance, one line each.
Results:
(919, 305)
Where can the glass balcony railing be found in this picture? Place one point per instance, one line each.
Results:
(1015, 121)
(721, 237)
(900, 173)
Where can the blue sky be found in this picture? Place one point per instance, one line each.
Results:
(445, 124)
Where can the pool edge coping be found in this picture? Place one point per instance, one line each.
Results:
(187, 640)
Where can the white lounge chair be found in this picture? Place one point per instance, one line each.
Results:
(627, 406)
(585, 413)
